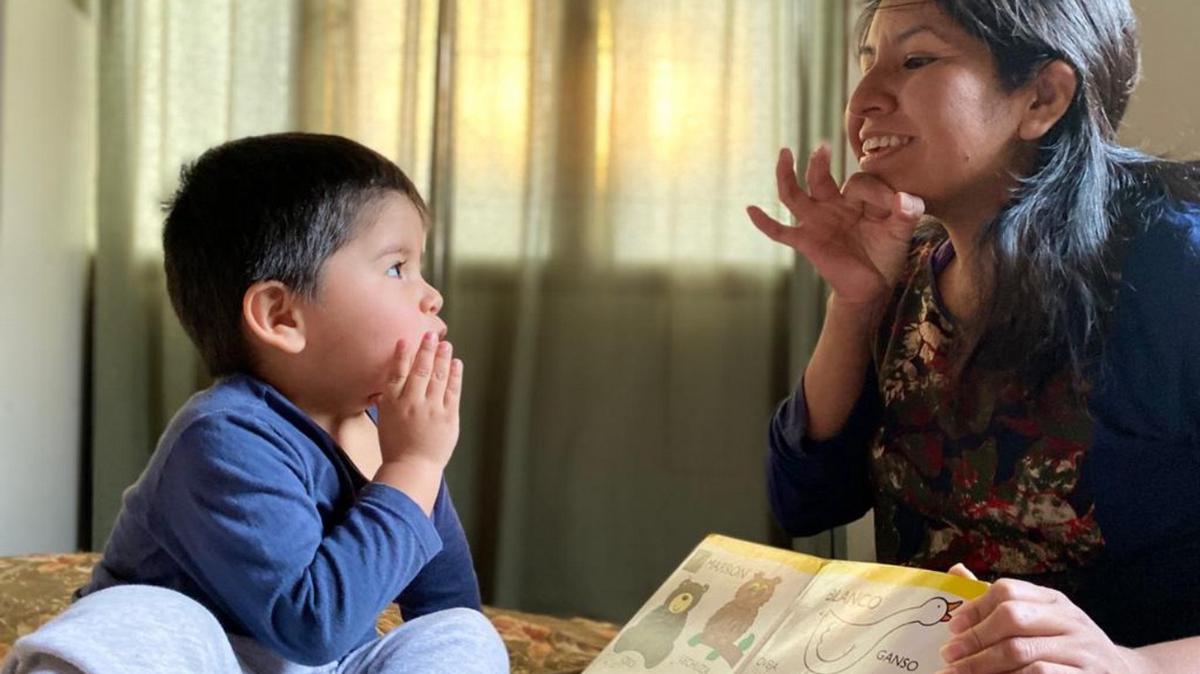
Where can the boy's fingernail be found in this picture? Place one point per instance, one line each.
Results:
(430, 337)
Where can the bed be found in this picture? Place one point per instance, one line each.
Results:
(34, 588)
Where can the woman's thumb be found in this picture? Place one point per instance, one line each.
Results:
(909, 206)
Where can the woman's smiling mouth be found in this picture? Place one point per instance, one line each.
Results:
(878, 147)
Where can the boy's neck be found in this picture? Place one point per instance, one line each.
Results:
(331, 417)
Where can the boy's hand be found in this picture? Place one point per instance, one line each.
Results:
(418, 418)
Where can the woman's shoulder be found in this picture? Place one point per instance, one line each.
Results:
(1165, 254)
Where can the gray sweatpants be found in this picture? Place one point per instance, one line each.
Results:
(138, 629)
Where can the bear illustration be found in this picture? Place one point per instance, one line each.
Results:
(732, 620)
(654, 635)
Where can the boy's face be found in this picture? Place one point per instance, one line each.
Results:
(370, 295)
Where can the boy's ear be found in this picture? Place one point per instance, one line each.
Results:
(1053, 90)
(273, 316)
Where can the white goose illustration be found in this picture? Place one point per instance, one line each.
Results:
(835, 644)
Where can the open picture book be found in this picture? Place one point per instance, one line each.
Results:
(736, 606)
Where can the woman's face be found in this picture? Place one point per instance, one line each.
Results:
(930, 116)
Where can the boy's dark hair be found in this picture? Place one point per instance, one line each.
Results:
(264, 208)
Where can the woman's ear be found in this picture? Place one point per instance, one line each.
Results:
(1053, 90)
(273, 316)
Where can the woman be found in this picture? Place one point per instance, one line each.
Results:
(1015, 385)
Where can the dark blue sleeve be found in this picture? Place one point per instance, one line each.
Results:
(235, 509)
(815, 486)
(448, 580)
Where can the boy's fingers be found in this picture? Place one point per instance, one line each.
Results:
(441, 371)
(454, 385)
(399, 368)
(422, 367)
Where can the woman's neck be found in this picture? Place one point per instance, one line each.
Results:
(963, 283)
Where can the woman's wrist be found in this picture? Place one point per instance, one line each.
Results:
(853, 318)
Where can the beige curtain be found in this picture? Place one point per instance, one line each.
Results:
(626, 330)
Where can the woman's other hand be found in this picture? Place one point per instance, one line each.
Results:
(857, 236)
(1021, 627)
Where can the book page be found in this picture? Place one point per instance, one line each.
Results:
(858, 618)
(726, 598)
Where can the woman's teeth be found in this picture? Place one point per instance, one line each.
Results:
(876, 143)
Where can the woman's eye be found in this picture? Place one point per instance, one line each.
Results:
(914, 62)
(396, 270)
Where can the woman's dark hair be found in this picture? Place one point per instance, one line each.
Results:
(1055, 248)
(263, 208)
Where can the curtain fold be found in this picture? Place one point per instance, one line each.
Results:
(626, 331)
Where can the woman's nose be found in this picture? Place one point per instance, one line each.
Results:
(872, 96)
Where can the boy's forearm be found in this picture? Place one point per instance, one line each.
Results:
(420, 480)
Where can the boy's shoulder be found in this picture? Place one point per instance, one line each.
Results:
(234, 400)
(235, 415)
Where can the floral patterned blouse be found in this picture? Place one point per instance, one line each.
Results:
(985, 472)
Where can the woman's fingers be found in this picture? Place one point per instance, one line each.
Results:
(961, 570)
(869, 192)
(1014, 624)
(790, 193)
(775, 230)
(1002, 591)
(819, 176)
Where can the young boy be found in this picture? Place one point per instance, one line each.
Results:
(276, 499)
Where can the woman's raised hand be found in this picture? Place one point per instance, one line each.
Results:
(857, 236)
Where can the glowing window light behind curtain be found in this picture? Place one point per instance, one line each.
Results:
(693, 100)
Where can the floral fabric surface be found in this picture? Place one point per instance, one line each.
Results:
(977, 467)
(35, 588)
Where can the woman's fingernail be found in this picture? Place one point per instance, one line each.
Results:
(952, 651)
(957, 624)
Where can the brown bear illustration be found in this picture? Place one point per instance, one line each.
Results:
(734, 619)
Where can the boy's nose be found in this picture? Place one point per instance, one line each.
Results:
(432, 302)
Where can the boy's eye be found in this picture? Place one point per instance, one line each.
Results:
(396, 270)
(914, 62)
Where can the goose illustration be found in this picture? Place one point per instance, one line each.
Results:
(836, 644)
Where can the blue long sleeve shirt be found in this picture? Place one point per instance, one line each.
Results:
(250, 508)
(1139, 474)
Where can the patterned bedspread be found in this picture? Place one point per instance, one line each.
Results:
(35, 588)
